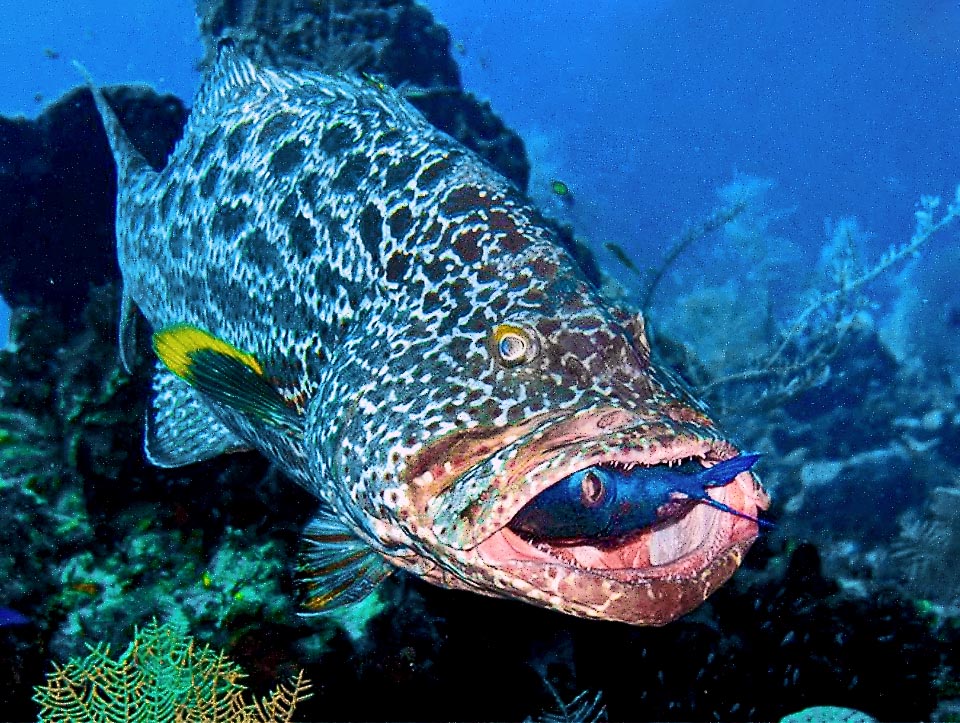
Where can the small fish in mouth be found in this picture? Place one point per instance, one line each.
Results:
(607, 501)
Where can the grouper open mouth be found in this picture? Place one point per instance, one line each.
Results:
(681, 530)
(648, 574)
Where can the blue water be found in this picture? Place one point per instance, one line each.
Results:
(646, 107)
(149, 41)
(643, 108)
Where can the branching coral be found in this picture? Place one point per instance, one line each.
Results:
(162, 677)
(735, 205)
(799, 357)
(584, 708)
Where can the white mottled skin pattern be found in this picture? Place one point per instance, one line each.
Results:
(364, 258)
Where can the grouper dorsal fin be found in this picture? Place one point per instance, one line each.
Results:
(337, 567)
(231, 73)
(130, 162)
(181, 430)
(230, 77)
(224, 374)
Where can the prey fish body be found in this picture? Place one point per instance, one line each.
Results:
(337, 284)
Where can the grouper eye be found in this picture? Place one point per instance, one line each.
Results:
(513, 345)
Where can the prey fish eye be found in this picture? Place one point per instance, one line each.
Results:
(513, 345)
(592, 490)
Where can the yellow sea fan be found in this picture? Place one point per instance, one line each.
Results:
(162, 677)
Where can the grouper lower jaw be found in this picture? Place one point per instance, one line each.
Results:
(648, 577)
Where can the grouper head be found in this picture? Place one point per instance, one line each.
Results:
(494, 384)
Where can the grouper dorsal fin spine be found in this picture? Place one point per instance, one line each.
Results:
(181, 429)
(231, 73)
(231, 76)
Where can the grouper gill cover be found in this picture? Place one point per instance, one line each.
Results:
(332, 281)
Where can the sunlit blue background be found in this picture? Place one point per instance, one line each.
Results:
(643, 107)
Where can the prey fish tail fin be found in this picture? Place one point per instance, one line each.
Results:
(337, 567)
(130, 162)
(708, 500)
(723, 472)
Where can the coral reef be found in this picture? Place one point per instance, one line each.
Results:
(855, 437)
(58, 184)
(99, 541)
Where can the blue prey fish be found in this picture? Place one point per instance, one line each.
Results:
(601, 502)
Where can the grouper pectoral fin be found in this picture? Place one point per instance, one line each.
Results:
(181, 430)
(225, 375)
(337, 567)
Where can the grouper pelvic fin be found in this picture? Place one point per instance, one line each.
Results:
(337, 567)
(224, 374)
(181, 429)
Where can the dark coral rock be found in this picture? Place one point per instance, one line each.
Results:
(396, 40)
(473, 123)
(758, 652)
(580, 252)
(863, 367)
(768, 650)
(58, 187)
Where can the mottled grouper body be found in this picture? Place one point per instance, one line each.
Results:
(332, 281)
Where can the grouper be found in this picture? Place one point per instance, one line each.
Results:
(334, 282)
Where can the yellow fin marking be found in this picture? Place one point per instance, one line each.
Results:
(176, 345)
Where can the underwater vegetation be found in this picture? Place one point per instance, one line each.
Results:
(851, 599)
(162, 676)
